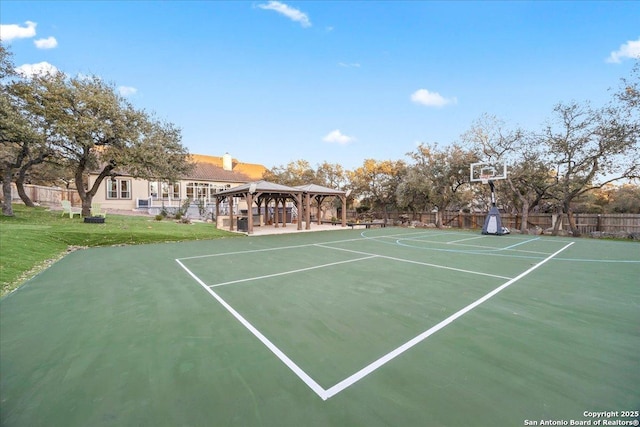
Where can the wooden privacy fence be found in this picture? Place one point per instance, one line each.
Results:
(46, 196)
(587, 223)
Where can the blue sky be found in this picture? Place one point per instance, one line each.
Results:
(338, 81)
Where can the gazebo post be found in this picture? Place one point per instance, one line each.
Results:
(307, 210)
(249, 197)
(319, 199)
(230, 213)
(284, 212)
(276, 217)
(343, 199)
(259, 203)
(300, 210)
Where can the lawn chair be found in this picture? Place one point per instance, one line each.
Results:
(96, 210)
(68, 209)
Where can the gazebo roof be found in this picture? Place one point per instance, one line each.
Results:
(267, 187)
(319, 189)
(261, 186)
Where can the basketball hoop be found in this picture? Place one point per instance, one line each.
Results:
(485, 178)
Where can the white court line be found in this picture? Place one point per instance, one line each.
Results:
(518, 244)
(291, 271)
(464, 240)
(414, 262)
(264, 340)
(306, 245)
(483, 247)
(332, 391)
(347, 382)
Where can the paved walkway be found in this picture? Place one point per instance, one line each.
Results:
(292, 228)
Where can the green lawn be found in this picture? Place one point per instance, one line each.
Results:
(35, 237)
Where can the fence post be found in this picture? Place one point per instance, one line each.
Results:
(599, 223)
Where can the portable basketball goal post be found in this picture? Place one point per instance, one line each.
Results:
(487, 173)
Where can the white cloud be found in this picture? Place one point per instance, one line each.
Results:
(9, 32)
(431, 99)
(288, 11)
(338, 137)
(39, 69)
(349, 65)
(48, 43)
(127, 90)
(630, 49)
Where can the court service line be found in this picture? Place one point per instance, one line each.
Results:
(290, 271)
(464, 240)
(518, 244)
(347, 382)
(306, 245)
(414, 262)
(310, 382)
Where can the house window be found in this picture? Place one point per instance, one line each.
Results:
(199, 190)
(170, 190)
(118, 188)
(153, 190)
(164, 190)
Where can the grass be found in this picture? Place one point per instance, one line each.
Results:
(35, 237)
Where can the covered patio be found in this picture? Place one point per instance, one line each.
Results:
(268, 195)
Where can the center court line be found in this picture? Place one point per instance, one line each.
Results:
(322, 245)
(291, 271)
(332, 391)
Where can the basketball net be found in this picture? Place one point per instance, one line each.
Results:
(485, 178)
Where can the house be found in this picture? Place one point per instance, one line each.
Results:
(210, 175)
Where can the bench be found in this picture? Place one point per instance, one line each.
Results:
(366, 224)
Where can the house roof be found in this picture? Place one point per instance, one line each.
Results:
(210, 172)
(208, 166)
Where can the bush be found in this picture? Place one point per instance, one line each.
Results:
(159, 217)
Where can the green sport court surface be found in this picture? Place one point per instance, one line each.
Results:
(380, 327)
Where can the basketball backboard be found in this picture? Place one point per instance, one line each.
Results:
(488, 171)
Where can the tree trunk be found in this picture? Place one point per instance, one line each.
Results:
(525, 216)
(20, 187)
(7, 208)
(572, 221)
(556, 226)
(438, 220)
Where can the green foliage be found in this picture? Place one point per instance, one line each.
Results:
(160, 217)
(201, 207)
(182, 210)
(36, 236)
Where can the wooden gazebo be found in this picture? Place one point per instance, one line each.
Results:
(264, 193)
